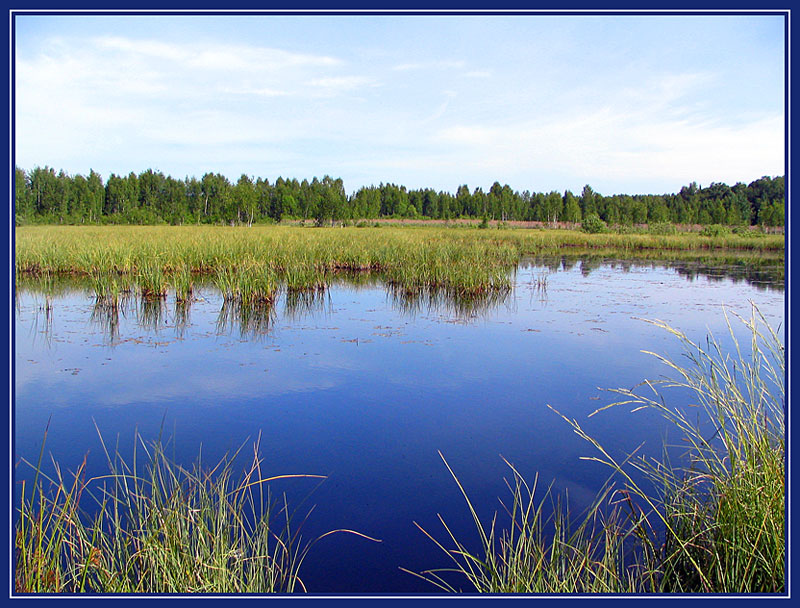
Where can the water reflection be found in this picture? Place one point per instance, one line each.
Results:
(538, 287)
(43, 321)
(463, 306)
(150, 313)
(590, 264)
(760, 272)
(252, 322)
(302, 303)
(181, 316)
(106, 313)
(369, 395)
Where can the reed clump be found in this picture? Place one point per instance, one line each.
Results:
(153, 526)
(251, 284)
(152, 280)
(713, 523)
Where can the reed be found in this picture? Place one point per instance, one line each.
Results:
(712, 523)
(540, 550)
(153, 526)
(182, 281)
(251, 284)
(152, 280)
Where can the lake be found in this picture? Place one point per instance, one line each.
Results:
(366, 386)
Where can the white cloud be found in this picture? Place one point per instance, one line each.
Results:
(91, 97)
(606, 145)
(429, 65)
(342, 83)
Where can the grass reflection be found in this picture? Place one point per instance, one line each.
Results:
(252, 321)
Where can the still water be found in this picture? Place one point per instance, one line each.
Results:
(366, 387)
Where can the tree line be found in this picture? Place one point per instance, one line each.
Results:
(42, 195)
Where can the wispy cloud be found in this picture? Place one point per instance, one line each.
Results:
(605, 145)
(430, 65)
(226, 57)
(117, 91)
(342, 83)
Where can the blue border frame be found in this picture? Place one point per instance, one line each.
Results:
(251, 7)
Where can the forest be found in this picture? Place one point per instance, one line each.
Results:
(43, 196)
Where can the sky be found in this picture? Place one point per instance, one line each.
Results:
(627, 104)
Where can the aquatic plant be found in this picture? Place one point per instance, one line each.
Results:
(713, 523)
(152, 280)
(153, 526)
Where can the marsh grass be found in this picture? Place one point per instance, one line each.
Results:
(413, 257)
(248, 285)
(711, 523)
(151, 280)
(538, 550)
(183, 282)
(109, 289)
(153, 526)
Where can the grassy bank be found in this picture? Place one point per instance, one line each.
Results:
(712, 523)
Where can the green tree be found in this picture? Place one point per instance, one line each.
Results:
(572, 210)
(96, 196)
(245, 199)
(23, 197)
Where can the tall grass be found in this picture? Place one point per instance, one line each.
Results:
(711, 523)
(421, 257)
(152, 526)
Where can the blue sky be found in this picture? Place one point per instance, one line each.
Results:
(626, 104)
